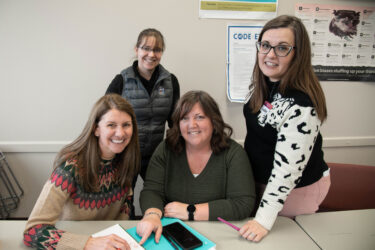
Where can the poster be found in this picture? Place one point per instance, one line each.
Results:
(238, 9)
(241, 56)
(342, 40)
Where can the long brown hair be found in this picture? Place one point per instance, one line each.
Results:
(221, 131)
(300, 74)
(85, 149)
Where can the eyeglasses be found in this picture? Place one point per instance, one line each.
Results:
(280, 50)
(149, 49)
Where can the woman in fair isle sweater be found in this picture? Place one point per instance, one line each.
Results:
(91, 180)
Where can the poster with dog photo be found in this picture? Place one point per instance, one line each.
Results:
(342, 40)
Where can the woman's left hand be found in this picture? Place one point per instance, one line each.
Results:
(253, 231)
(106, 242)
(176, 210)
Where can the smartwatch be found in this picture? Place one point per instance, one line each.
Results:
(191, 209)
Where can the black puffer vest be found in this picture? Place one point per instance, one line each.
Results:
(151, 111)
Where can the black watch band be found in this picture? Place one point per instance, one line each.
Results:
(191, 209)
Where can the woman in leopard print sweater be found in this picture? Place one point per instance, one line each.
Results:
(283, 117)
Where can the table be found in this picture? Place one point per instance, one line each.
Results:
(354, 229)
(286, 234)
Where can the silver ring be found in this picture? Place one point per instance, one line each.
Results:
(252, 235)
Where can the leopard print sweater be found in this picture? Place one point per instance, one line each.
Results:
(284, 147)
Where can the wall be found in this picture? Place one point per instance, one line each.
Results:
(58, 57)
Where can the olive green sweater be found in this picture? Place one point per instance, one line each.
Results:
(226, 182)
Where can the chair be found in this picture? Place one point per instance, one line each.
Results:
(10, 189)
(352, 187)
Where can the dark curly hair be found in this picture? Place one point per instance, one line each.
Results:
(221, 131)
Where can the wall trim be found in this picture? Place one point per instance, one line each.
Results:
(32, 146)
(340, 142)
(333, 142)
(55, 146)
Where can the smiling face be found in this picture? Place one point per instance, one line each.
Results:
(196, 128)
(114, 132)
(270, 64)
(148, 60)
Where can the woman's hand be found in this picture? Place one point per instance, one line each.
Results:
(176, 210)
(253, 231)
(150, 223)
(106, 242)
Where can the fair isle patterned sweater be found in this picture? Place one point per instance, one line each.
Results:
(62, 198)
(284, 146)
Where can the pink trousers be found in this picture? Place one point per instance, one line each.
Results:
(303, 200)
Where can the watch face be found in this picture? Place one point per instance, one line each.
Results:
(191, 208)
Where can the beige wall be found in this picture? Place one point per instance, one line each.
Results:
(58, 57)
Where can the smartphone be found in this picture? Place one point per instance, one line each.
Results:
(182, 236)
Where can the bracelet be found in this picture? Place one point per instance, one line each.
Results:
(152, 213)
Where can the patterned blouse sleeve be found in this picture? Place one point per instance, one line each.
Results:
(40, 231)
(297, 129)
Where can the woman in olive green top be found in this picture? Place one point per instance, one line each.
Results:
(198, 172)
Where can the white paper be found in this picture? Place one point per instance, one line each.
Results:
(241, 55)
(119, 231)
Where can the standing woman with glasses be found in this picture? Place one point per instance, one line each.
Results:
(151, 90)
(283, 117)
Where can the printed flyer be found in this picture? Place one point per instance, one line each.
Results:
(241, 56)
(342, 41)
(238, 9)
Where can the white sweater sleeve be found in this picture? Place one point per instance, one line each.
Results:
(297, 129)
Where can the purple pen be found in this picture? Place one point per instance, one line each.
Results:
(229, 224)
